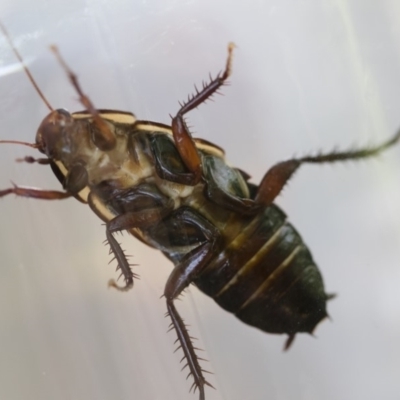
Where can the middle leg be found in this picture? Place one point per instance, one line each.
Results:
(182, 137)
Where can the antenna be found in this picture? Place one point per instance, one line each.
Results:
(33, 145)
(30, 77)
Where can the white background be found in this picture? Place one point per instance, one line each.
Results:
(307, 75)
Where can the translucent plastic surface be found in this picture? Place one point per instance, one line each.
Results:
(307, 76)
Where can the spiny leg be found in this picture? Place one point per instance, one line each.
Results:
(176, 284)
(183, 274)
(138, 219)
(188, 350)
(277, 176)
(182, 137)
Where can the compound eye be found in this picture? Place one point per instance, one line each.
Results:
(63, 117)
(64, 112)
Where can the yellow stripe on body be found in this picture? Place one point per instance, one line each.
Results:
(262, 252)
(273, 276)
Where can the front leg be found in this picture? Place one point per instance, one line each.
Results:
(25, 191)
(140, 207)
(183, 274)
(134, 219)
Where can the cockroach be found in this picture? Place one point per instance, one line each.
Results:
(177, 194)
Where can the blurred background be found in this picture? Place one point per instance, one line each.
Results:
(307, 76)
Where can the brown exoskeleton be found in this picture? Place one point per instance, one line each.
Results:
(178, 195)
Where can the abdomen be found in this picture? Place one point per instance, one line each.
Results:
(266, 276)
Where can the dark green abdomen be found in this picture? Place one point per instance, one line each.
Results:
(267, 277)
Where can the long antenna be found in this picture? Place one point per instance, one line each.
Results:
(105, 136)
(30, 77)
(33, 145)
